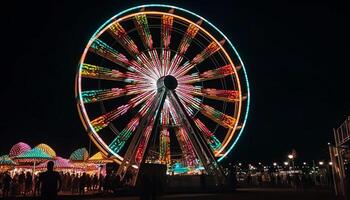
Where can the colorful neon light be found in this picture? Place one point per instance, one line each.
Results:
(152, 67)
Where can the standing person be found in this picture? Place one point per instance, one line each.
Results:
(36, 185)
(82, 184)
(100, 183)
(28, 183)
(14, 186)
(6, 182)
(88, 182)
(51, 182)
(69, 182)
(21, 179)
(94, 182)
(75, 183)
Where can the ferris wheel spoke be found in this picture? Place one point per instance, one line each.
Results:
(104, 120)
(164, 137)
(107, 52)
(117, 144)
(97, 72)
(197, 140)
(155, 62)
(182, 137)
(208, 111)
(220, 72)
(186, 147)
(210, 137)
(210, 50)
(165, 60)
(146, 66)
(211, 93)
(142, 146)
(103, 73)
(166, 29)
(152, 61)
(214, 143)
(141, 25)
(91, 96)
(119, 33)
(190, 33)
(217, 116)
(164, 146)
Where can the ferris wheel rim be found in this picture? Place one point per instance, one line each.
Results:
(81, 107)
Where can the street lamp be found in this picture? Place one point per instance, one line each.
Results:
(274, 164)
(330, 163)
(291, 157)
(285, 163)
(320, 163)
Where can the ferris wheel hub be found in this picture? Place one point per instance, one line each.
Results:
(169, 82)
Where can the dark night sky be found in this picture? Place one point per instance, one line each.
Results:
(295, 55)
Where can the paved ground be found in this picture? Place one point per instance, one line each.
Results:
(240, 194)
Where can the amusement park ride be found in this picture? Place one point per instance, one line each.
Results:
(154, 84)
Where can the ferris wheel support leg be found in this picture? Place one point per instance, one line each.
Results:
(140, 137)
(199, 143)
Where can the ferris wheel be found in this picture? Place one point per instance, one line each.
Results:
(158, 83)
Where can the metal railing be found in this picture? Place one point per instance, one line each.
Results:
(342, 133)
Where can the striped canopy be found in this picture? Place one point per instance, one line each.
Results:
(79, 155)
(59, 164)
(18, 149)
(47, 149)
(99, 158)
(34, 155)
(5, 160)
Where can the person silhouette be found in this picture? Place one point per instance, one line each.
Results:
(50, 182)
(82, 183)
(6, 183)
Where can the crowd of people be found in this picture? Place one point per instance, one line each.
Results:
(21, 183)
(51, 182)
(24, 184)
(295, 180)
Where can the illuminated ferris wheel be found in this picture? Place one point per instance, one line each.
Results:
(158, 83)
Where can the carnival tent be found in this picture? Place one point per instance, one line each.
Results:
(18, 149)
(6, 160)
(6, 163)
(34, 155)
(59, 164)
(99, 158)
(79, 155)
(47, 149)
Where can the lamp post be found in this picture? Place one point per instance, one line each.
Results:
(291, 157)
(286, 165)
